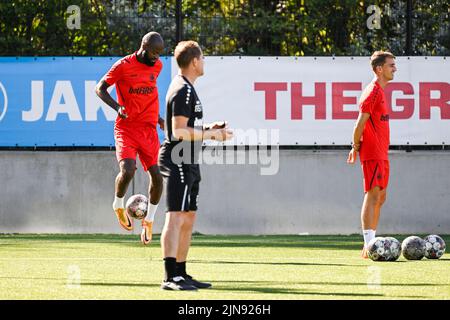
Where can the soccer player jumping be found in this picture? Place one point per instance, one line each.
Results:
(135, 127)
(371, 140)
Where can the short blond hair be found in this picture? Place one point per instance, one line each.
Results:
(378, 58)
(186, 51)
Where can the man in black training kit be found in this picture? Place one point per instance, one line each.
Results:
(178, 162)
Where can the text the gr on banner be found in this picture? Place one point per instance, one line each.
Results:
(307, 100)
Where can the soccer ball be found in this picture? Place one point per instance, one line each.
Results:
(384, 249)
(137, 206)
(413, 248)
(434, 246)
(392, 249)
(376, 249)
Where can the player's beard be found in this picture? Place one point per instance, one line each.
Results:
(147, 60)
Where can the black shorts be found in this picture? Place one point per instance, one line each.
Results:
(181, 184)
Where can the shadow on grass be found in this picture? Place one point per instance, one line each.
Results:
(266, 290)
(257, 282)
(27, 240)
(278, 263)
(337, 283)
(121, 284)
(32, 278)
(248, 289)
(292, 241)
(100, 284)
(261, 287)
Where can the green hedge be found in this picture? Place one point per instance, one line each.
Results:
(230, 27)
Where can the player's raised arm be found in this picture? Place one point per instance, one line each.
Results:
(357, 133)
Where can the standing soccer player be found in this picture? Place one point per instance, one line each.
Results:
(178, 161)
(371, 140)
(135, 127)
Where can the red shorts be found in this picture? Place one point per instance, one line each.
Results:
(376, 173)
(141, 139)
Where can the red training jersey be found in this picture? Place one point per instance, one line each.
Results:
(136, 89)
(375, 137)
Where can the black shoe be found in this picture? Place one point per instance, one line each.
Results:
(195, 283)
(177, 283)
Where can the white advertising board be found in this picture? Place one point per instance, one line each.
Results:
(308, 100)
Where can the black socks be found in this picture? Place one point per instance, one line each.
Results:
(181, 269)
(170, 267)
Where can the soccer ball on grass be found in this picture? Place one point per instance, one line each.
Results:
(383, 249)
(434, 246)
(413, 248)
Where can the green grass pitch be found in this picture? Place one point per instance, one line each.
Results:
(240, 267)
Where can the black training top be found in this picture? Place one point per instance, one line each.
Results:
(182, 100)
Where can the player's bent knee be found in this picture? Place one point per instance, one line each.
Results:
(128, 174)
(128, 168)
(155, 174)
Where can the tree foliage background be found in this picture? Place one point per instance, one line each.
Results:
(223, 27)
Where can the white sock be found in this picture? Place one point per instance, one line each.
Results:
(118, 203)
(151, 212)
(368, 235)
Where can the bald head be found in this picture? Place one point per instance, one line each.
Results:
(152, 46)
(152, 41)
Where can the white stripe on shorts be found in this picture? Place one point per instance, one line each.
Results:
(184, 198)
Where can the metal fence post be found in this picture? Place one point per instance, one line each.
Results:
(179, 21)
(409, 12)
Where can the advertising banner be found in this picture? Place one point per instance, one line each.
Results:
(308, 100)
(51, 101)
